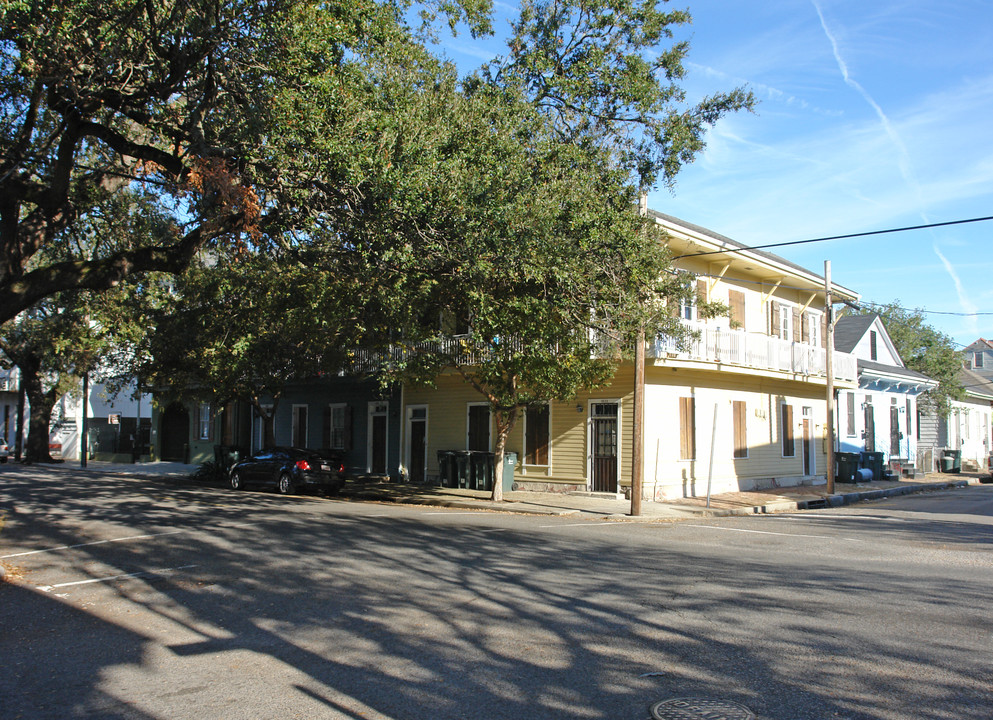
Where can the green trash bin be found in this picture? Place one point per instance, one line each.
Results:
(951, 461)
(509, 463)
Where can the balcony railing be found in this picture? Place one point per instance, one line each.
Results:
(755, 351)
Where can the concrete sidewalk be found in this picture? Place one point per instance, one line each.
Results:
(590, 505)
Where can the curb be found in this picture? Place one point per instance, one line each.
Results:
(855, 497)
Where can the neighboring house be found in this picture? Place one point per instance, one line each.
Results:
(979, 358)
(9, 393)
(878, 416)
(968, 427)
(113, 421)
(352, 417)
(743, 407)
(969, 423)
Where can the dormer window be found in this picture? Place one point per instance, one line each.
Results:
(977, 360)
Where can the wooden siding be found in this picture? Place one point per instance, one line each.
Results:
(715, 397)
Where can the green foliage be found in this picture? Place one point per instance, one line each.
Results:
(602, 72)
(209, 105)
(926, 350)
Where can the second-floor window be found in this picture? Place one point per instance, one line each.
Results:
(786, 322)
(977, 360)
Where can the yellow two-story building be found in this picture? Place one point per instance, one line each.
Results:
(742, 406)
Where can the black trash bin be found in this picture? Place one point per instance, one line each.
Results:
(846, 466)
(873, 461)
(462, 468)
(480, 470)
(446, 468)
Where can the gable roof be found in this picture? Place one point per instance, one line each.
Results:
(975, 385)
(848, 330)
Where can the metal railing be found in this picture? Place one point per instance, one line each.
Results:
(752, 350)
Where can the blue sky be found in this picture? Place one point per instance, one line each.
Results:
(872, 115)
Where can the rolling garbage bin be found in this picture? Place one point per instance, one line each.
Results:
(480, 470)
(873, 461)
(507, 477)
(951, 461)
(847, 465)
(462, 469)
(446, 468)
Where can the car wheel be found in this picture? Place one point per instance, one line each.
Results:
(285, 484)
(235, 481)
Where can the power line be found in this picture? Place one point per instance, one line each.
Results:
(838, 237)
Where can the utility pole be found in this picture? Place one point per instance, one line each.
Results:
(83, 450)
(829, 368)
(638, 441)
(638, 426)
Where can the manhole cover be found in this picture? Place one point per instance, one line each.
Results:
(700, 709)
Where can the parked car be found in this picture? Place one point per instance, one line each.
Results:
(288, 469)
(4, 450)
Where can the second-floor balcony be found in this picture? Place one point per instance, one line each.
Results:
(753, 351)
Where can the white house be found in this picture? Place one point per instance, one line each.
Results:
(880, 415)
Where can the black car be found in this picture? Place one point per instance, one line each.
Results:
(288, 469)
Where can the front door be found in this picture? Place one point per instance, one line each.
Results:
(378, 437)
(870, 427)
(417, 432)
(603, 442)
(895, 431)
(808, 443)
(175, 433)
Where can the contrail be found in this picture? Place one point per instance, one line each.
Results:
(904, 157)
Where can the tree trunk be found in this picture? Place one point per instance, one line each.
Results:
(40, 417)
(505, 421)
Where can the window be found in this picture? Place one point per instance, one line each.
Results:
(872, 345)
(536, 436)
(786, 322)
(736, 302)
(687, 428)
(789, 442)
(850, 398)
(339, 426)
(739, 421)
(977, 360)
(813, 328)
(203, 422)
(910, 424)
(478, 427)
(299, 426)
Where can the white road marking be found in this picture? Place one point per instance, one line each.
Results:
(590, 523)
(144, 573)
(761, 532)
(97, 542)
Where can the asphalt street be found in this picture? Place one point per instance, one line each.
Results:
(135, 598)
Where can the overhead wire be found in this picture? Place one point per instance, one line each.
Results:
(837, 237)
